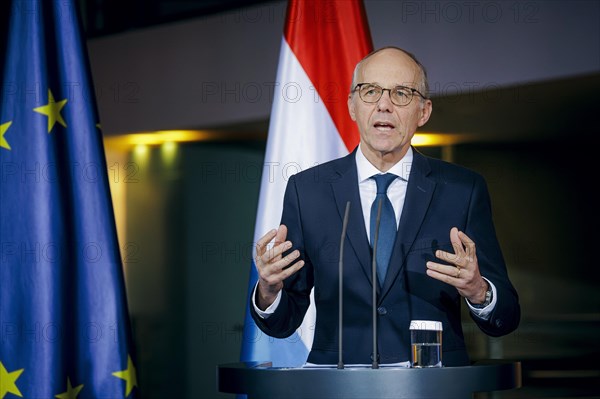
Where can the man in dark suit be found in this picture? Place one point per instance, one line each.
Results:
(441, 247)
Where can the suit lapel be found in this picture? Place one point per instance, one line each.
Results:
(345, 188)
(418, 197)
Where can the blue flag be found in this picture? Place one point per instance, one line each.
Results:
(64, 325)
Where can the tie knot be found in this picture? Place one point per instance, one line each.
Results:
(384, 181)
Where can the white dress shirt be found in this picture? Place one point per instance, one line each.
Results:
(368, 188)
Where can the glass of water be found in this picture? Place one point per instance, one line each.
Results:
(426, 343)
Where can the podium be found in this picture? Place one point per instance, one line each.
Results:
(260, 381)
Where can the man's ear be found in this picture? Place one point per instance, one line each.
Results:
(351, 107)
(425, 113)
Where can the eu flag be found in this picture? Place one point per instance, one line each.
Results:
(64, 325)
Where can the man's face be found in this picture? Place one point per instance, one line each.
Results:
(387, 129)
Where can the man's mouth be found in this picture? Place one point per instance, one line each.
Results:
(383, 126)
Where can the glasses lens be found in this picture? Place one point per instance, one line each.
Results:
(370, 93)
(401, 95)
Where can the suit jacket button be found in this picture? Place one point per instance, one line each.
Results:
(382, 310)
(498, 323)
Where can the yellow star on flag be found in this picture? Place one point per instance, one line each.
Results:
(3, 128)
(8, 382)
(127, 375)
(52, 111)
(71, 392)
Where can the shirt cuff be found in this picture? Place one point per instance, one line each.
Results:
(484, 313)
(264, 314)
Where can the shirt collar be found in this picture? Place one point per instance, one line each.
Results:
(366, 169)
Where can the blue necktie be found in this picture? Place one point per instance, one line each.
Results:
(387, 225)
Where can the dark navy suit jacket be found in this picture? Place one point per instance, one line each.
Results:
(439, 196)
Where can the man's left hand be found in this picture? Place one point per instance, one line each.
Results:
(463, 271)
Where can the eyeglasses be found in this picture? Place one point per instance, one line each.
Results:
(400, 95)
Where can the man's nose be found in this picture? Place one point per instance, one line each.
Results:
(385, 102)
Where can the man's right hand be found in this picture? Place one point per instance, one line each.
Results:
(272, 266)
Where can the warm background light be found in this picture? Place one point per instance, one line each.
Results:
(126, 141)
(438, 139)
(162, 137)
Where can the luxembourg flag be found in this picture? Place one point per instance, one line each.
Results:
(310, 124)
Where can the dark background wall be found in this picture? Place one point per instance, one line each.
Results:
(220, 69)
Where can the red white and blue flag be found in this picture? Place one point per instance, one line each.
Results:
(322, 43)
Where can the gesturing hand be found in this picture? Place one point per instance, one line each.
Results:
(463, 271)
(272, 267)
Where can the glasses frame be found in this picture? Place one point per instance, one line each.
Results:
(412, 92)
